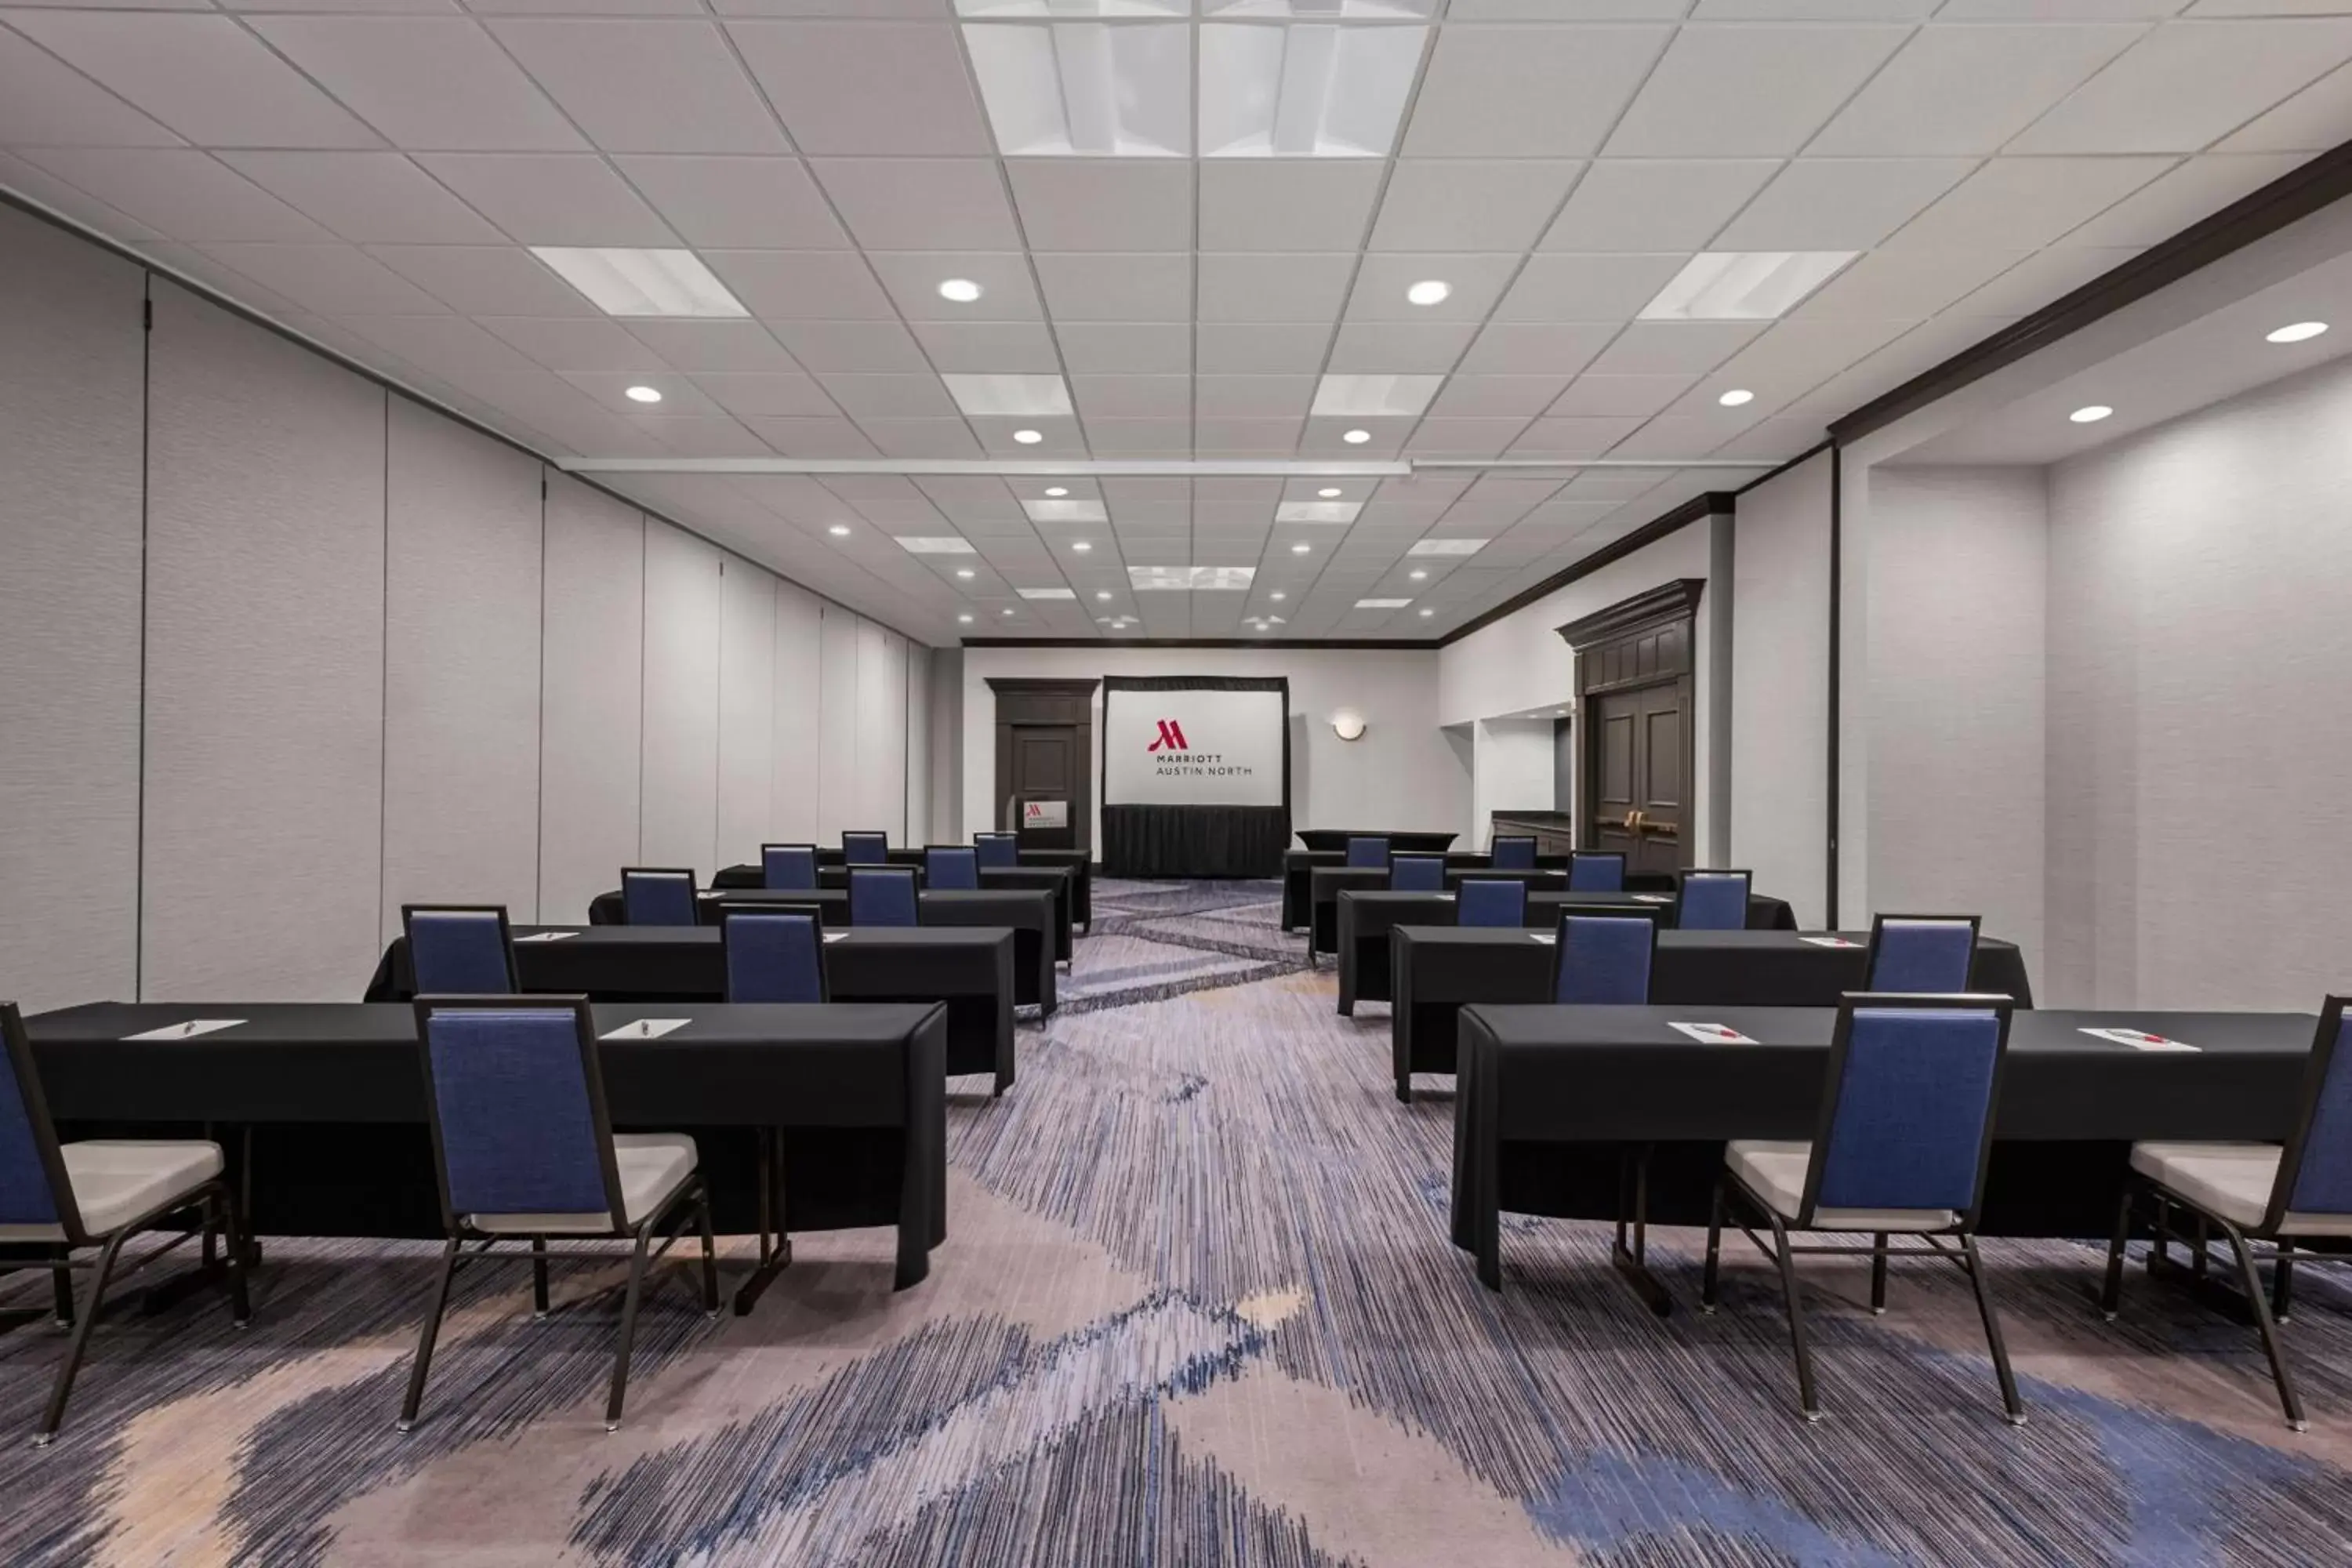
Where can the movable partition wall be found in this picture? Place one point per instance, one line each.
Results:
(1196, 776)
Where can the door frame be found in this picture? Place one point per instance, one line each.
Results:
(1032, 702)
(1646, 641)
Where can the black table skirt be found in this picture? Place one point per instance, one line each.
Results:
(1441, 969)
(1078, 890)
(970, 970)
(1551, 1099)
(1300, 865)
(1225, 841)
(1410, 843)
(834, 877)
(1365, 916)
(321, 1107)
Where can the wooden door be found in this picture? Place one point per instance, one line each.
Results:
(1661, 775)
(1616, 788)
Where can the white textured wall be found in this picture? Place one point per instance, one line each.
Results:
(678, 816)
(592, 696)
(70, 485)
(1511, 771)
(2200, 827)
(747, 712)
(838, 805)
(793, 809)
(1780, 687)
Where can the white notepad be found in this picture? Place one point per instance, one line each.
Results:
(1828, 941)
(646, 1029)
(187, 1031)
(2140, 1040)
(834, 935)
(1546, 937)
(1653, 897)
(1713, 1034)
(547, 936)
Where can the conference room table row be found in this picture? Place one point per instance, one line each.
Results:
(1320, 914)
(321, 1107)
(1366, 916)
(967, 969)
(1553, 1105)
(1440, 970)
(1068, 881)
(1027, 913)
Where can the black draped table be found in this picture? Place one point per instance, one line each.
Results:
(969, 969)
(330, 1100)
(1439, 969)
(1365, 916)
(1225, 841)
(1071, 888)
(1549, 1100)
(1306, 905)
(1336, 838)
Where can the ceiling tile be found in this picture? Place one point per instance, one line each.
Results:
(485, 280)
(332, 279)
(713, 345)
(1132, 396)
(79, 205)
(767, 395)
(744, 204)
(813, 437)
(920, 204)
(2023, 204)
(2188, 84)
(913, 279)
(2313, 121)
(1101, 286)
(1794, 356)
(1475, 283)
(2042, 278)
(1631, 204)
(455, 350)
(580, 344)
(1570, 287)
(1262, 348)
(1731, 91)
(646, 86)
(1465, 204)
(681, 398)
(1673, 348)
(1520, 92)
(801, 285)
(989, 347)
(1141, 348)
(830, 345)
(205, 77)
(921, 438)
(1606, 396)
(889, 396)
(1496, 396)
(551, 198)
(1527, 349)
(1284, 397)
(1103, 204)
(2195, 189)
(1890, 284)
(1274, 287)
(1286, 204)
(45, 103)
(1138, 438)
(1442, 437)
(703, 437)
(179, 191)
(1417, 348)
(1962, 90)
(367, 196)
(875, 89)
(1840, 204)
(425, 82)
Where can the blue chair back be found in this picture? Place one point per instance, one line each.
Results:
(33, 1185)
(517, 1111)
(1417, 874)
(655, 897)
(997, 850)
(1604, 960)
(788, 867)
(2315, 1175)
(460, 952)
(1512, 852)
(1491, 901)
(1367, 854)
(1922, 954)
(773, 956)
(1712, 900)
(882, 896)
(1598, 871)
(951, 869)
(1909, 1107)
(866, 849)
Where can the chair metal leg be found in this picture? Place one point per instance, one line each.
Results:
(709, 1254)
(240, 1300)
(2282, 1281)
(2260, 1305)
(2111, 1293)
(2014, 1406)
(628, 1329)
(437, 1303)
(1707, 1280)
(56, 1414)
(538, 1308)
(2201, 1266)
(1878, 1275)
(1807, 1403)
(61, 1288)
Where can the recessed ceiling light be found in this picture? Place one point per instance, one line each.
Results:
(1429, 292)
(1048, 593)
(1744, 286)
(1277, 595)
(1008, 609)
(961, 290)
(1058, 491)
(1081, 546)
(964, 572)
(622, 282)
(935, 544)
(1102, 593)
(1159, 578)
(1357, 437)
(2092, 414)
(2302, 331)
(1027, 438)
(1304, 92)
(1446, 547)
(1329, 492)
(1078, 88)
(1736, 396)
(643, 395)
(965, 619)
(838, 530)
(1301, 548)
(1429, 612)
(1383, 603)
(1417, 575)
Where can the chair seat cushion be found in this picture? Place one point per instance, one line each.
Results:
(115, 1181)
(2232, 1180)
(651, 1166)
(1775, 1172)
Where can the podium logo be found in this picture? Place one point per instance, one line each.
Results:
(1172, 737)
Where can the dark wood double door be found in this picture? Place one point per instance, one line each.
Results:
(1636, 706)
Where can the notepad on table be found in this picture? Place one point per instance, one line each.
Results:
(2140, 1040)
(1713, 1034)
(1546, 937)
(547, 936)
(187, 1031)
(1828, 941)
(834, 935)
(1653, 897)
(644, 1029)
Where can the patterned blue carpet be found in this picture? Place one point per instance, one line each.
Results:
(1196, 1307)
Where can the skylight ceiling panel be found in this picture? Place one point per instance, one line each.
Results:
(1304, 90)
(1085, 89)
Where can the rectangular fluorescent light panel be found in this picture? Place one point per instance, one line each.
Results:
(1317, 511)
(1320, 10)
(1383, 603)
(1307, 90)
(1048, 593)
(1084, 88)
(622, 282)
(1447, 547)
(1151, 579)
(1013, 396)
(1361, 396)
(1064, 9)
(1744, 286)
(1065, 511)
(947, 545)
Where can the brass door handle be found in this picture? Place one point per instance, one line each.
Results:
(1632, 822)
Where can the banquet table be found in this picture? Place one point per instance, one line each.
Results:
(1065, 878)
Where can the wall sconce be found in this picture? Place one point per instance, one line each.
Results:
(1347, 724)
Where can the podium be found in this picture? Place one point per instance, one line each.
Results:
(1043, 822)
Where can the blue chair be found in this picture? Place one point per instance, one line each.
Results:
(1491, 901)
(1604, 960)
(657, 896)
(1711, 900)
(1417, 874)
(1512, 852)
(1921, 954)
(997, 850)
(64, 1197)
(525, 1151)
(1904, 1134)
(460, 949)
(788, 867)
(866, 849)
(2258, 1192)
(1367, 854)
(883, 896)
(1598, 871)
(772, 954)
(949, 869)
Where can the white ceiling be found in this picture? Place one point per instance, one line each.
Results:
(369, 171)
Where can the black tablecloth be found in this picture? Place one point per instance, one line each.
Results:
(1440, 969)
(333, 1098)
(1411, 843)
(1298, 866)
(969, 969)
(1071, 888)
(1229, 841)
(1365, 916)
(1550, 1098)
